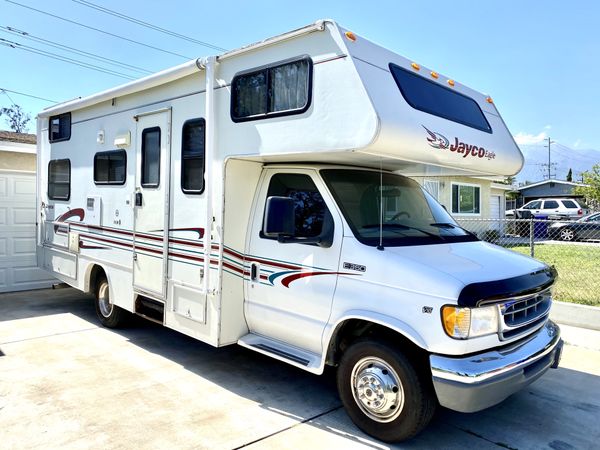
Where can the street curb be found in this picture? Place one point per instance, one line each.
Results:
(581, 316)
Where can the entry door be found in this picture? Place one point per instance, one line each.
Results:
(290, 287)
(150, 239)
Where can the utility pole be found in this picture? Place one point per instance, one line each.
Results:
(550, 142)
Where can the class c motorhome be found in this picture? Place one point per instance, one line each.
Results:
(262, 197)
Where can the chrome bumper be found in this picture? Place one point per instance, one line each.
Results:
(476, 382)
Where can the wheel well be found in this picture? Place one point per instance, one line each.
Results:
(95, 274)
(353, 330)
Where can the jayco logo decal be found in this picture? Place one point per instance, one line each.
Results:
(439, 141)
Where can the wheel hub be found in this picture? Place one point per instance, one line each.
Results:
(104, 303)
(377, 389)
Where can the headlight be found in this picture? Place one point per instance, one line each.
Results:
(464, 323)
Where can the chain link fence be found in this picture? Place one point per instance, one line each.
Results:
(571, 246)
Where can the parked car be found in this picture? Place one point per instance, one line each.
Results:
(551, 207)
(588, 227)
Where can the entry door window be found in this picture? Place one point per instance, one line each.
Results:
(151, 157)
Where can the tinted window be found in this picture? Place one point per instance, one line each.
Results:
(550, 204)
(192, 156)
(309, 206)
(272, 91)
(151, 157)
(110, 167)
(430, 97)
(59, 179)
(59, 128)
(569, 204)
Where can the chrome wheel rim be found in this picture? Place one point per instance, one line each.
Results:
(104, 303)
(377, 389)
(567, 235)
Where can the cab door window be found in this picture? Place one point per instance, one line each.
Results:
(309, 207)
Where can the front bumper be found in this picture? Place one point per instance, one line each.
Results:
(476, 382)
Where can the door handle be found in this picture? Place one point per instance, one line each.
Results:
(254, 271)
(138, 199)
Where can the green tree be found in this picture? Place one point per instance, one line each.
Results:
(570, 175)
(16, 119)
(591, 190)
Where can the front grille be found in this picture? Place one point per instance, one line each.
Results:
(525, 313)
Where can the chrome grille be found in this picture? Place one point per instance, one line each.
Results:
(525, 313)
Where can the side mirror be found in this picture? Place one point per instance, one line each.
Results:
(280, 219)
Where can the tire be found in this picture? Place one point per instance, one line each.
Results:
(566, 234)
(383, 393)
(110, 315)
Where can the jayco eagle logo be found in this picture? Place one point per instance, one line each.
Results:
(439, 141)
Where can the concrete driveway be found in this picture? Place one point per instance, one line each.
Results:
(66, 382)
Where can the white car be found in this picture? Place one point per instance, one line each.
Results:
(551, 207)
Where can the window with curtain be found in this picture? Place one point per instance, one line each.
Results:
(110, 167)
(466, 199)
(59, 179)
(276, 90)
(192, 156)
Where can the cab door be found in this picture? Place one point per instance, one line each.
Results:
(289, 288)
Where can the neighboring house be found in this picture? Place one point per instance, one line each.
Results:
(546, 189)
(468, 197)
(18, 264)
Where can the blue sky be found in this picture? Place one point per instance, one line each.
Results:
(537, 59)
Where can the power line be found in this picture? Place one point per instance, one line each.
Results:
(4, 91)
(51, 55)
(104, 59)
(146, 24)
(98, 30)
(9, 97)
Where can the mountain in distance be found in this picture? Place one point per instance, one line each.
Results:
(562, 158)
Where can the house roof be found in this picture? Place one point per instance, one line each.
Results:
(22, 138)
(540, 183)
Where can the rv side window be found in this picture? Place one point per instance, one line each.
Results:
(192, 156)
(271, 91)
(309, 207)
(59, 128)
(151, 157)
(59, 179)
(110, 167)
(430, 97)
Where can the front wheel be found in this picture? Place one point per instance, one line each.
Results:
(567, 234)
(383, 392)
(110, 315)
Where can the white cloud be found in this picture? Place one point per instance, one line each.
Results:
(577, 143)
(547, 127)
(530, 139)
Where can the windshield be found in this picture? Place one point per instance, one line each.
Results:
(410, 215)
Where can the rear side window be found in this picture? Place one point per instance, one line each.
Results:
(550, 204)
(151, 157)
(59, 179)
(271, 91)
(533, 205)
(569, 204)
(430, 97)
(192, 156)
(59, 128)
(110, 167)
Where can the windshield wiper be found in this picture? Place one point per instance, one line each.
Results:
(453, 226)
(403, 227)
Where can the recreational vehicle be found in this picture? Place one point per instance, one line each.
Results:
(262, 197)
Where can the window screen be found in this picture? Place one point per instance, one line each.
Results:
(309, 206)
(192, 156)
(110, 167)
(281, 89)
(430, 97)
(59, 179)
(59, 128)
(465, 199)
(151, 157)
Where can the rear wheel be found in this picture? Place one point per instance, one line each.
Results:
(383, 392)
(110, 315)
(566, 234)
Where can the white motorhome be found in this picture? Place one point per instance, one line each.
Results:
(261, 197)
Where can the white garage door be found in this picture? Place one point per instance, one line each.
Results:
(496, 212)
(18, 269)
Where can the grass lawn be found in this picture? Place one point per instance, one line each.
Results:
(578, 270)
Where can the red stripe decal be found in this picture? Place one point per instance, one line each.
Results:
(287, 280)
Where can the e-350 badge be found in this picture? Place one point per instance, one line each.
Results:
(356, 267)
